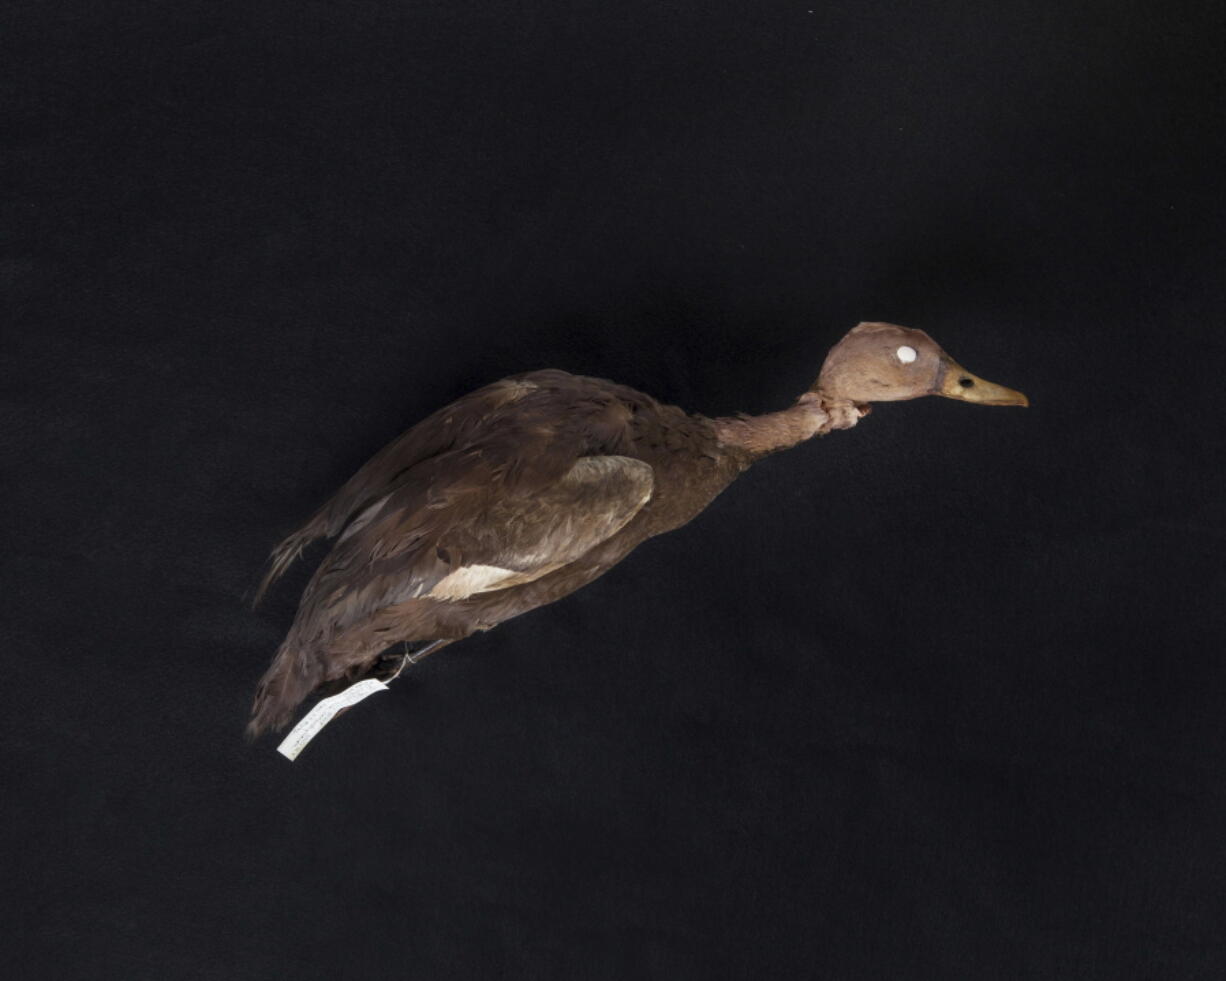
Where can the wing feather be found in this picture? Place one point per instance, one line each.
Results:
(454, 425)
(450, 544)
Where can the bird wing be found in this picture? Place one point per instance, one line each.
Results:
(544, 417)
(456, 530)
(463, 524)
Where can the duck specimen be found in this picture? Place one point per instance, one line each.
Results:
(527, 489)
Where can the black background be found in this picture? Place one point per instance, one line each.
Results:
(940, 697)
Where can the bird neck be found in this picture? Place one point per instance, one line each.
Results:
(814, 414)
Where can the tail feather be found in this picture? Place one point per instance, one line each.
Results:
(292, 676)
(283, 557)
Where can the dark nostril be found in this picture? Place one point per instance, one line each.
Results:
(966, 382)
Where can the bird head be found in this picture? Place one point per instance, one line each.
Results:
(887, 363)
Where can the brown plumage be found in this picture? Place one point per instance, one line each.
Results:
(527, 489)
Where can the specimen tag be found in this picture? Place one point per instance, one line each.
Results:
(309, 725)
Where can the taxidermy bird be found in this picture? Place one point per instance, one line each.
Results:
(523, 491)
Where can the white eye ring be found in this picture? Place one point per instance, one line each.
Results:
(906, 354)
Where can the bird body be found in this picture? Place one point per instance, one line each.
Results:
(506, 500)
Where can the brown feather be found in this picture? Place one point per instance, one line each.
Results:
(495, 481)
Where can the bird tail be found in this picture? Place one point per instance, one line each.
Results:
(283, 555)
(291, 677)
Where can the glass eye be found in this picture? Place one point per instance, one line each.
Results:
(906, 354)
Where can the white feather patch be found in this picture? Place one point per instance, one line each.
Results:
(469, 580)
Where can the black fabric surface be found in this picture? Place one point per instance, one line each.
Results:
(939, 697)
